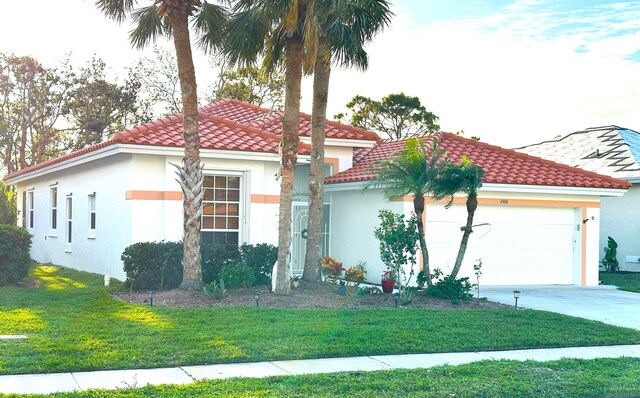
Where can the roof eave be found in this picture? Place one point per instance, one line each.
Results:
(551, 189)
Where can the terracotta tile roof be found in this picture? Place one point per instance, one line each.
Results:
(502, 166)
(266, 119)
(215, 133)
(609, 150)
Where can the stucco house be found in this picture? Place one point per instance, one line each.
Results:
(612, 151)
(84, 208)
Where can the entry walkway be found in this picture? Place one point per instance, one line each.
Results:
(113, 379)
(598, 303)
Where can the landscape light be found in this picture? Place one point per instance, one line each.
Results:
(151, 295)
(516, 295)
(257, 297)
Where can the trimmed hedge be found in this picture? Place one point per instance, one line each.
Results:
(158, 265)
(15, 244)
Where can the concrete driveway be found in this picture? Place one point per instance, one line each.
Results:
(604, 304)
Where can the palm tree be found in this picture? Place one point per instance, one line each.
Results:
(171, 18)
(273, 29)
(412, 171)
(346, 25)
(454, 178)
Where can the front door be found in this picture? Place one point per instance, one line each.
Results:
(299, 232)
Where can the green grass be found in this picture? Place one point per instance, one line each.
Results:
(74, 324)
(565, 378)
(629, 281)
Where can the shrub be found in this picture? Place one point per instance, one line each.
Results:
(367, 290)
(260, 258)
(215, 257)
(454, 289)
(356, 274)
(8, 209)
(237, 275)
(15, 243)
(215, 289)
(153, 265)
(610, 260)
(331, 266)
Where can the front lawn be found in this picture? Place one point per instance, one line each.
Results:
(74, 324)
(565, 378)
(624, 280)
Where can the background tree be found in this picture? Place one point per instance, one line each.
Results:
(396, 115)
(171, 18)
(345, 26)
(250, 84)
(412, 171)
(31, 97)
(159, 82)
(98, 108)
(8, 209)
(464, 177)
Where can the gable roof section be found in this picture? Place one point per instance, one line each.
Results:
(609, 150)
(501, 166)
(266, 119)
(215, 134)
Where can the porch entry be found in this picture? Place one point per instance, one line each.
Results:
(299, 231)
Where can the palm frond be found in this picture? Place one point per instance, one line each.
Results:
(115, 9)
(244, 36)
(209, 24)
(148, 26)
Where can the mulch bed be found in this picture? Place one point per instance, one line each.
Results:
(307, 295)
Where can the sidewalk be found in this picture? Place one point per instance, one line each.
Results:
(112, 379)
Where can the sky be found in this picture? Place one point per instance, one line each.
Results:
(513, 72)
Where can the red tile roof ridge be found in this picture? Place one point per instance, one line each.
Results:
(539, 160)
(60, 159)
(372, 134)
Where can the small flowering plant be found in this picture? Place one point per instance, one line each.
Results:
(356, 274)
(388, 275)
(331, 266)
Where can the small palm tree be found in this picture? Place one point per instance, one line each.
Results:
(412, 171)
(345, 26)
(171, 18)
(464, 177)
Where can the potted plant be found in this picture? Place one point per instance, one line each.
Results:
(331, 267)
(388, 281)
(342, 289)
(356, 274)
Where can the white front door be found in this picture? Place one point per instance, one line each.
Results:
(298, 235)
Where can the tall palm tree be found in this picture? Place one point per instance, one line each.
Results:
(171, 18)
(412, 171)
(464, 177)
(345, 26)
(275, 29)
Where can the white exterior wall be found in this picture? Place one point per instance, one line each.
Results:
(621, 221)
(106, 177)
(343, 154)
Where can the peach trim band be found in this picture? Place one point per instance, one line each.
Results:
(336, 164)
(152, 195)
(258, 198)
(583, 277)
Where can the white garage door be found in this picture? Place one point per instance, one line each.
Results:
(519, 246)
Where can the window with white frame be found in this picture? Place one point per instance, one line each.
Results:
(69, 218)
(221, 210)
(24, 209)
(30, 206)
(92, 212)
(54, 208)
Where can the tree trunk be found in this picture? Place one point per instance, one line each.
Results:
(191, 171)
(289, 155)
(472, 205)
(321, 76)
(418, 207)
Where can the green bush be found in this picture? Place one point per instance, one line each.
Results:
(260, 258)
(215, 257)
(15, 244)
(610, 260)
(8, 209)
(153, 265)
(450, 288)
(237, 275)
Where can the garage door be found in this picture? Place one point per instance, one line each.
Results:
(519, 245)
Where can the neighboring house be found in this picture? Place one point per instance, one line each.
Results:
(84, 208)
(612, 151)
(530, 228)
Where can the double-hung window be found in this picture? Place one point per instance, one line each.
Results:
(92, 214)
(54, 208)
(69, 234)
(30, 207)
(221, 210)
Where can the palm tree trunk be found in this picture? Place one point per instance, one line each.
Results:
(191, 171)
(289, 156)
(472, 205)
(418, 207)
(321, 77)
